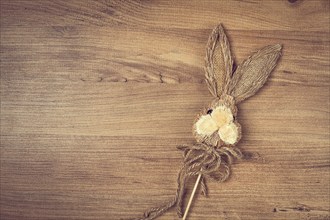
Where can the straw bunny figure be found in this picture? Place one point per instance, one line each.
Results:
(216, 128)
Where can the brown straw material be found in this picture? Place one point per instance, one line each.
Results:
(216, 129)
(251, 75)
(219, 62)
(212, 162)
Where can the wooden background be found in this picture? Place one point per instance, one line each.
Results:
(96, 95)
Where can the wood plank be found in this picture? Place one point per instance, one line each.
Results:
(244, 14)
(146, 55)
(116, 109)
(96, 95)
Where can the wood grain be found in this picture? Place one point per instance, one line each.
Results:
(96, 95)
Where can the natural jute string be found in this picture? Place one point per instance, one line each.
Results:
(211, 162)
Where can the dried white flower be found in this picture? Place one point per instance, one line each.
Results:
(222, 115)
(206, 126)
(229, 133)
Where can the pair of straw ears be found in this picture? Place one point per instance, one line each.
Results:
(244, 81)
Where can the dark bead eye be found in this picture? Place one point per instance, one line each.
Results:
(209, 111)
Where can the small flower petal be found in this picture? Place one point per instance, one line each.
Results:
(206, 126)
(229, 133)
(222, 116)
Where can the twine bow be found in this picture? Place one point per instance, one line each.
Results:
(211, 162)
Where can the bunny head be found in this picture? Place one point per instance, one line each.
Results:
(217, 125)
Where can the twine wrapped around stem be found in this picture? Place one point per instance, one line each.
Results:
(211, 162)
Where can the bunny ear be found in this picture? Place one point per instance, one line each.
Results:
(219, 62)
(251, 75)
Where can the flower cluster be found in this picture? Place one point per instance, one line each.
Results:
(220, 120)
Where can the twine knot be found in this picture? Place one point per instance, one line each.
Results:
(211, 162)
